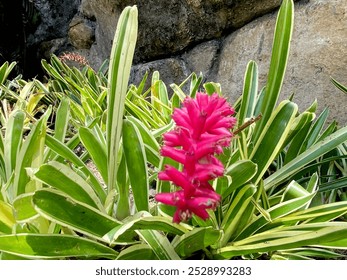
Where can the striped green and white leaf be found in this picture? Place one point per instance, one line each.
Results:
(278, 64)
(119, 71)
(145, 221)
(195, 240)
(159, 243)
(283, 238)
(68, 212)
(63, 178)
(271, 140)
(234, 214)
(137, 252)
(240, 172)
(68, 154)
(136, 162)
(315, 151)
(54, 246)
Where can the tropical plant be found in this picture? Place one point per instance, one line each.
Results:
(265, 196)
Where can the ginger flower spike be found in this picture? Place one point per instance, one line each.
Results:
(203, 129)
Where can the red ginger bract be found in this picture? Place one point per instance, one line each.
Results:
(202, 130)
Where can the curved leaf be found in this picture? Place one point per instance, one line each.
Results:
(159, 244)
(137, 252)
(136, 162)
(75, 215)
(195, 240)
(53, 246)
(318, 149)
(273, 136)
(144, 221)
(240, 172)
(96, 150)
(286, 238)
(62, 177)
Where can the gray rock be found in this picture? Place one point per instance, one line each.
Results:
(81, 33)
(202, 58)
(172, 27)
(318, 52)
(55, 18)
(171, 70)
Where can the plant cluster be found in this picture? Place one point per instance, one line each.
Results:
(177, 175)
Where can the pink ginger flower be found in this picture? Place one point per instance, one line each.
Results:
(202, 130)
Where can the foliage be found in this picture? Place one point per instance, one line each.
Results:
(281, 192)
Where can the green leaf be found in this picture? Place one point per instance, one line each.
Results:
(30, 155)
(240, 172)
(297, 143)
(278, 63)
(61, 124)
(53, 246)
(333, 185)
(68, 154)
(212, 88)
(136, 161)
(235, 212)
(195, 240)
(66, 211)
(122, 206)
(195, 84)
(275, 212)
(286, 238)
(96, 149)
(320, 213)
(250, 90)
(24, 209)
(315, 151)
(146, 134)
(7, 220)
(161, 100)
(273, 136)
(144, 221)
(339, 85)
(5, 70)
(317, 128)
(62, 119)
(13, 141)
(159, 244)
(137, 252)
(63, 178)
(119, 71)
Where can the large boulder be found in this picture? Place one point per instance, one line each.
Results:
(169, 28)
(318, 52)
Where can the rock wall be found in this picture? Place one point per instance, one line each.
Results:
(217, 38)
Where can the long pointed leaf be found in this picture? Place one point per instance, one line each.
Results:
(318, 149)
(63, 178)
(280, 53)
(119, 71)
(136, 161)
(195, 240)
(38, 246)
(70, 213)
(96, 150)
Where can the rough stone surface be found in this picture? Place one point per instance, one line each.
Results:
(167, 28)
(171, 70)
(318, 52)
(81, 33)
(55, 18)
